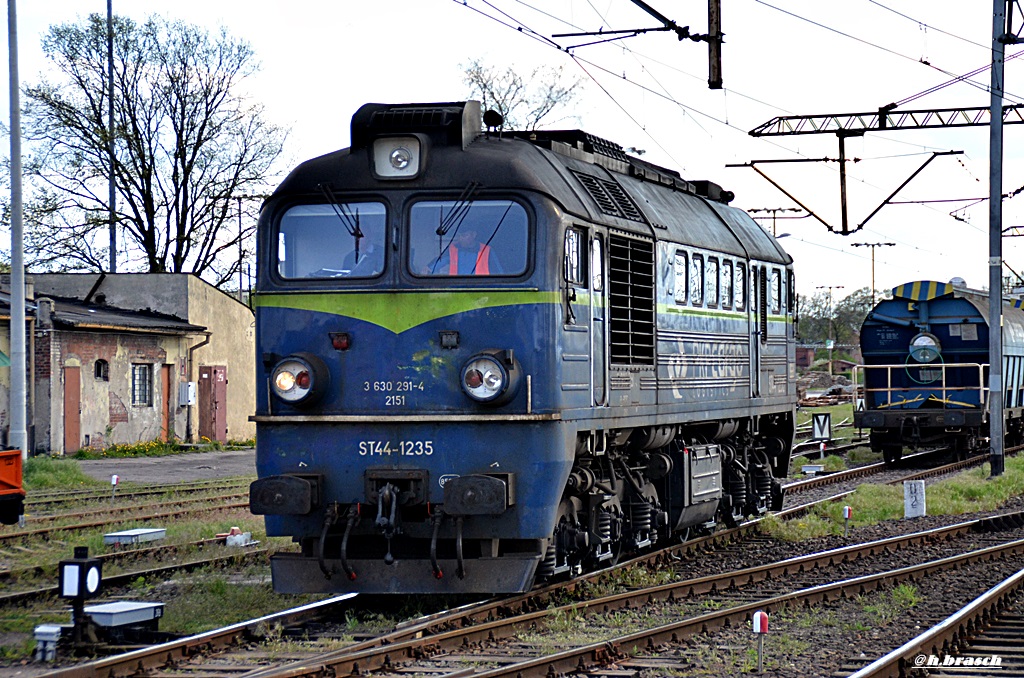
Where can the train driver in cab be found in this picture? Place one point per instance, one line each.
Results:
(467, 254)
(365, 259)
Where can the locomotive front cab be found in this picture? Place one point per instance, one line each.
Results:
(402, 308)
(925, 370)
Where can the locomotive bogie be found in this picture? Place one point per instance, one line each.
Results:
(608, 368)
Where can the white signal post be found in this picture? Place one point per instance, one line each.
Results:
(760, 625)
(847, 514)
(114, 480)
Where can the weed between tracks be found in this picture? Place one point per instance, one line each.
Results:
(794, 639)
(967, 492)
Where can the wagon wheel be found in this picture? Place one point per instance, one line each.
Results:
(891, 454)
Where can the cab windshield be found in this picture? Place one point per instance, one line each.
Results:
(468, 238)
(332, 241)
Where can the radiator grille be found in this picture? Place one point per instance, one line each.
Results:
(610, 197)
(631, 291)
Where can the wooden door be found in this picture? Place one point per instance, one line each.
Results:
(72, 409)
(166, 413)
(213, 390)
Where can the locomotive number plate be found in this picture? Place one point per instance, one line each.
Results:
(404, 448)
(395, 393)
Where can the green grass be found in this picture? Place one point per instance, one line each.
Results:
(55, 473)
(207, 599)
(892, 604)
(967, 492)
(159, 448)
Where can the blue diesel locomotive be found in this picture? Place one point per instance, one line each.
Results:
(491, 359)
(926, 370)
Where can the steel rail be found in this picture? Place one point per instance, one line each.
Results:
(480, 616)
(951, 632)
(411, 642)
(616, 649)
(45, 532)
(126, 492)
(125, 578)
(117, 510)
(872, 469)
(170, 653)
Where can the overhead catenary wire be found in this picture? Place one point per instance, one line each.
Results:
(593, 70)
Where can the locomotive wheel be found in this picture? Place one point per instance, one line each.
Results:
(777, 496)
(891, 454)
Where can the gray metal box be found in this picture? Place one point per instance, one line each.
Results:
(124, 613)
(135, 536)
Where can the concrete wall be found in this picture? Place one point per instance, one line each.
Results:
(232, 328)
(165, 293)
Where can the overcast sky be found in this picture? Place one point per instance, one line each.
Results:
(322, 59)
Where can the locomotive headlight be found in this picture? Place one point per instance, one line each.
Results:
(397, 157)
(491, 378)
(400, 158)
(925, 347)
(300, 379)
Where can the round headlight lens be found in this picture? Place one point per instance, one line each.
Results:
(491, 378)
(400, 158)
(484, 378)
(299, 379)
(284, 381)
(925, 348)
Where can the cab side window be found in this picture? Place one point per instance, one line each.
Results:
(597, 264)
(575, 260)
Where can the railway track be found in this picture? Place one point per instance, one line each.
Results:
(49, 532)
(179, 553)
(133, 508)
(35, 502)
(532, 603)
(497, 635)
(986, 635)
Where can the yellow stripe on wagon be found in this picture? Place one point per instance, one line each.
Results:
(922, 290)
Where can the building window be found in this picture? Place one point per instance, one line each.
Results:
(101, 370)
(142, 385)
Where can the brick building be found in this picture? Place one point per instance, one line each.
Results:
(128, 358)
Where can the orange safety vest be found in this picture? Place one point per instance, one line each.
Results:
(482, 259)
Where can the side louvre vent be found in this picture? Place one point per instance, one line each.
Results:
(631, 291)
(610, 197)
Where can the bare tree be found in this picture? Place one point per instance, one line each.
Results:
(186, 145)
(522, 102)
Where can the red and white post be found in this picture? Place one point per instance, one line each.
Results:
(760, 625)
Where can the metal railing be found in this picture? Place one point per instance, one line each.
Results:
(937, 387)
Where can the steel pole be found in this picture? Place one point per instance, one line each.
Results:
(995, 261)
(18, 434)
(111, 192)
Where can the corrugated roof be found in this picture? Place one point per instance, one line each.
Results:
(73, 314)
